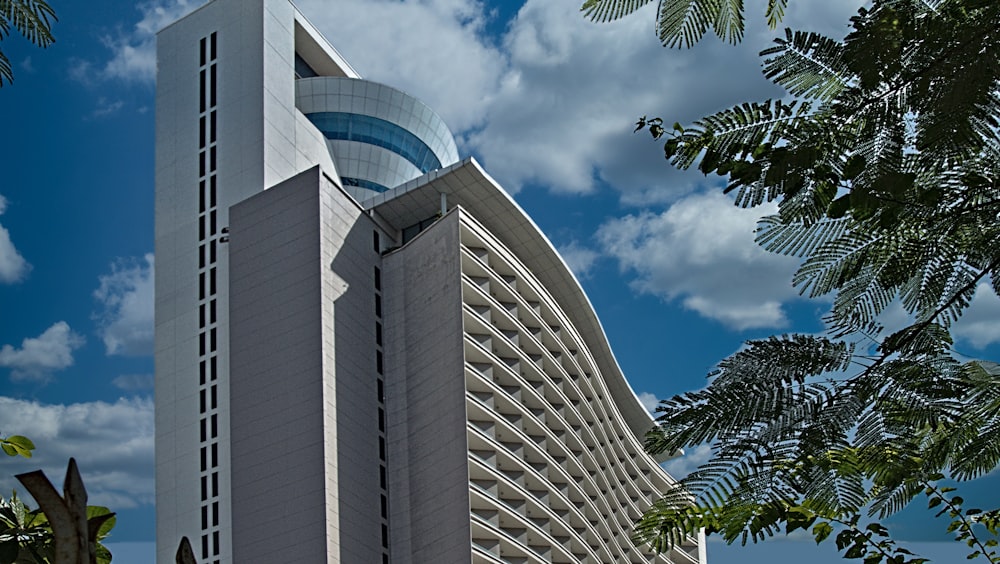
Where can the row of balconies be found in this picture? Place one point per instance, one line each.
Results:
(524, 378)
(567, 482)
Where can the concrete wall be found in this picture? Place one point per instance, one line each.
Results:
(261, 140)
(305, 446)
(429, 516)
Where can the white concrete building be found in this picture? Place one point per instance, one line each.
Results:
(365, 350)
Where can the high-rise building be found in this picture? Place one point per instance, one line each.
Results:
(365, 350)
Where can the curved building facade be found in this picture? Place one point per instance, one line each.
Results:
(364, 347)
(379, 137)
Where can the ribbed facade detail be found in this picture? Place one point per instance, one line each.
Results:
(554, 473)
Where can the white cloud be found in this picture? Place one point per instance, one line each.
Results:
(39, 356)
(112, 444)
(649, 401)
(580, 259)
(133, 382)
(551, 100)
(13, 267)
(701, 251)
(980, 326)
(133, 51)
(688, 462)
(106, 108)
(126, 322)
(454, 69)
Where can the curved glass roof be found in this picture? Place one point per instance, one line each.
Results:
(344, 126)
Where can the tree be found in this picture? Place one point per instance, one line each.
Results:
(71, 531)
(884, 159)
(32, 19)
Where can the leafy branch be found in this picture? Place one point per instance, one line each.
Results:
(17, 445)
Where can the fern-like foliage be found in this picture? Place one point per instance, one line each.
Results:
(31, 18)
(682, 23)
(885, 163)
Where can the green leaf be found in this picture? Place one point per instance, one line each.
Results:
(873, 558)
(856, 550)
(821, 531)
(9, 551)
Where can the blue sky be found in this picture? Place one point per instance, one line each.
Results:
(544, 99)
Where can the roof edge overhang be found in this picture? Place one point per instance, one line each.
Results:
(466, 184)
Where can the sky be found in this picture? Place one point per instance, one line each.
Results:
(543, 98)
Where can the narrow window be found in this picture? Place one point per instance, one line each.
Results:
(212, 223)
(204, 459)
(211, 281)
(202, 370)
(202, 132)
(201, 256)
(204, 517)
(215, 540)
(214, 38)
(376, 243)
(380, 390)
(204, 488)
(378, 361)
(378, 333)
(378, 278)
(378, 305)
(201, 344)
(212, 90)
(213, 340)
(204, 546)
(201, 316)
(212, 190)
(204, 430)
(211, 129)
(204, 58)
(203, 401)
(211, 159)
(215, 397)
(201, 89)
(215, 493)
(214, 367)
(215, 454)
(215, 427)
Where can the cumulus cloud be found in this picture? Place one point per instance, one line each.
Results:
(126, 320)
(579, 258)
(701, 252)
(133, 382)
(688, 462)
(38, 357)
(13, 267)
(455, 69)
(980, 326)
(549, 101)
(106, 108)
(649, 401)
(112, 443)
(133, 50)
